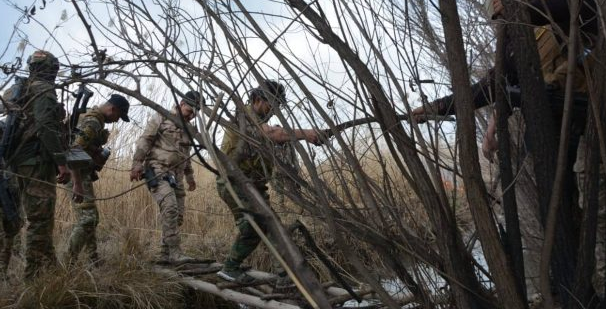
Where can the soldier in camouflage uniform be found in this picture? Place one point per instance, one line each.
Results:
(90, 137)
(258, 168)
(164, 149)
(39, 160)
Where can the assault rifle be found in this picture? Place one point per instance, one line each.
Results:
(8, 197)
(82, 97)
(78, 158)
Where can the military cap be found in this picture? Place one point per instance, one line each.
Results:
(122, 104)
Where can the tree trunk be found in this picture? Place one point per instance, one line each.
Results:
(467, 291)
(541, 139)
(513, 238)
(505, 283)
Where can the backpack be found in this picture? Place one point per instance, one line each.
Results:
(10, 129)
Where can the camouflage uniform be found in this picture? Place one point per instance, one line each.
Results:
(36, 157)
(165, 148)
(256, 168)
(91, 137)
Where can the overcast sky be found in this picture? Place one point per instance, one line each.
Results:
(70, 37)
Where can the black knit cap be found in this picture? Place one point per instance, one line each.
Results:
(193, 99)
(122, 104)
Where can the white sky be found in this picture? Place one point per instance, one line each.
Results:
(72, 39)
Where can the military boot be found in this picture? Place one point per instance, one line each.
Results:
(94, 260)
(176, 257)
(162, 256)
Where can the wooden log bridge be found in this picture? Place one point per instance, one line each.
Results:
(260, 294)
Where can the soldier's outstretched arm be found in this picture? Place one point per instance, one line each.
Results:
(279, 134)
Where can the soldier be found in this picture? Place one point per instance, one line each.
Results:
(554, 69)
(164, 152)
(37, 157)
(256, 167)
(90, 137)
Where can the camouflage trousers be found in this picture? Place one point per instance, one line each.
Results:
(172, 207)
(38, 202)
(83, 234)
(10, 238)
(247, 239)
(599, 278)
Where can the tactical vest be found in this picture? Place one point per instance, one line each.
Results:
(554, 64)
(25, 135)
(246, 156)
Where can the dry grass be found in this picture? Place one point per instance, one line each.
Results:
(129, 236)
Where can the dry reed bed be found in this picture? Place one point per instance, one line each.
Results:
(128, 236)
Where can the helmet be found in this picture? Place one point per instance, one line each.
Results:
(42, 61)
(270, 90)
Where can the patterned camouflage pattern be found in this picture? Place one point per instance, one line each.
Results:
(247, 239)
(39, 152)
(599, 277)
(172, 207)
(43, 136)
(38, 200)
(42, 60)
(91, 137)
(83, 235)
(255, 167)
(166, 149)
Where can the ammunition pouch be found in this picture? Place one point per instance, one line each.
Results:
(78, 159)
(150, 177)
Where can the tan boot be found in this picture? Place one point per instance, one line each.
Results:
(176, 257)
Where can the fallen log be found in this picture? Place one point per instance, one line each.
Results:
(227, 294)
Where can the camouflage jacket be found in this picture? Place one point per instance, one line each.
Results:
(255, 166)
(166, 148)
(42, 131)
(92, 135)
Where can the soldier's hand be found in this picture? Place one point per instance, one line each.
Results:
(497, 7)
(489, 146)
(136, 173)
(419, 114)
(312, 137)
(64, 173)
(77, 192)
(191, 186)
